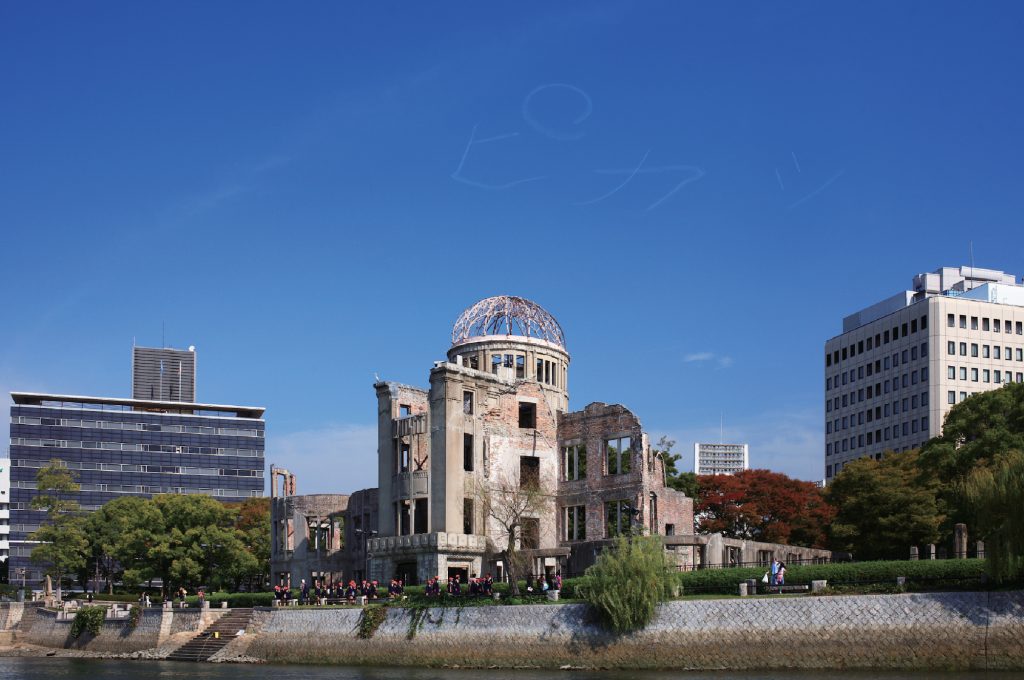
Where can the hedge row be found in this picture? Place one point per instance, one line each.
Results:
(920, 572)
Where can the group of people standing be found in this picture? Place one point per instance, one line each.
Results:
(477, 586)
(776, 574)
(321, 592)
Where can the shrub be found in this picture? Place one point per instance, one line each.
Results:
(628, 581)
(370, 620)
(919, 574)
(88, 619)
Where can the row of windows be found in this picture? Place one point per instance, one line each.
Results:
(987, 351)
(982, 375)
(877, 413)
(879, 339)
(951, 322)
(879, 365)
(884, 434)
(148, 469)
(148, 448)
(141, 427)
(143, 489)
(877, 390)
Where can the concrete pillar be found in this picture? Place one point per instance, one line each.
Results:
(743, 588)
(931, 551)
(980, 549)
(960, 541)
(913, 552)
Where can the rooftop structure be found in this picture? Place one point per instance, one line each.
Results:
(164, 374)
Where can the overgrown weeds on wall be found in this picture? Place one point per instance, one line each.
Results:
(88, 619)
(370, 620)
(134, 614)
(628, 582)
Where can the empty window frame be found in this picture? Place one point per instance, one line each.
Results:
(575, 522)
(618, 454)
(618, 517)
(529, 471)
(467, 402)
(574, 462)
(467, 515)
(467, 452)
(527, 415)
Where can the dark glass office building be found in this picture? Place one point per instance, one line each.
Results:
(122, 447)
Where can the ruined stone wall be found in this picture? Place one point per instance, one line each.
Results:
(947, 631)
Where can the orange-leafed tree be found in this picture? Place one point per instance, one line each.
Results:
(764, 506)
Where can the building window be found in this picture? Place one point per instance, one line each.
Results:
(531, 533)
(467, 403)
(404, 410)
(951, 347)
(996, 323)
(574, 462)
(402, 452)
(963, 373)
(618, 453)
(984, 324)
(529, 471)
(467, 452)
(974, 375)
(986, 376)
(420, 522)
(985, 352)
(576, 523)
(951, 320)
(974, 349)
(520, 366)
(1020, 327)
(951, 372)
(617, 518)
(527, 415)
(467, 515)
(996, 377)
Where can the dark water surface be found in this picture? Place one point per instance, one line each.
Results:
(44, 669)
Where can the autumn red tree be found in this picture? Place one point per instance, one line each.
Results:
(763, 506)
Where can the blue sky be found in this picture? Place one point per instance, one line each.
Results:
(312, 193)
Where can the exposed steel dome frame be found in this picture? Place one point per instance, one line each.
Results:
(505, 315)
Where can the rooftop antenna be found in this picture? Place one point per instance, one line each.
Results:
(163, 334)
(971, 246)
(721, 428)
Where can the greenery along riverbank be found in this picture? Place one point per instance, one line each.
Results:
(852, 577)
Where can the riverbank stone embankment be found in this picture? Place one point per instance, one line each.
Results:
(908, 631)
(947, 631)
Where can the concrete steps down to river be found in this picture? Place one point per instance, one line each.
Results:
(213, 639)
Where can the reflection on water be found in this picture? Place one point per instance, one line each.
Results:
(32, 669)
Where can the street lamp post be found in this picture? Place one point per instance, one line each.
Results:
(364, 534)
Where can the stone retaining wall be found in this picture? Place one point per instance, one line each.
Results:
(939, 630)
(37, 626)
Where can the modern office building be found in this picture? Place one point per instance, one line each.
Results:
(900, 365)
(5, 509)
(720, 459)
(164, 374)
(139, 447)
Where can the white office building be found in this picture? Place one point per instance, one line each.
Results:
(900, 365)
(720, 459)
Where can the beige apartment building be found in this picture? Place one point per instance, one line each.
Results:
(720, 459)
(900, 365)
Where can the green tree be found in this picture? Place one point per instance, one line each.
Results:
(994, 495)
(628, 581)
(884, 507)
(121, 534)
(674, 478)
(63, 544)
(253, 523)
(63, 547)
(975, 433)
(55, 484)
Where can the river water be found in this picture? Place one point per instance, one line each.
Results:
(89, 669)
